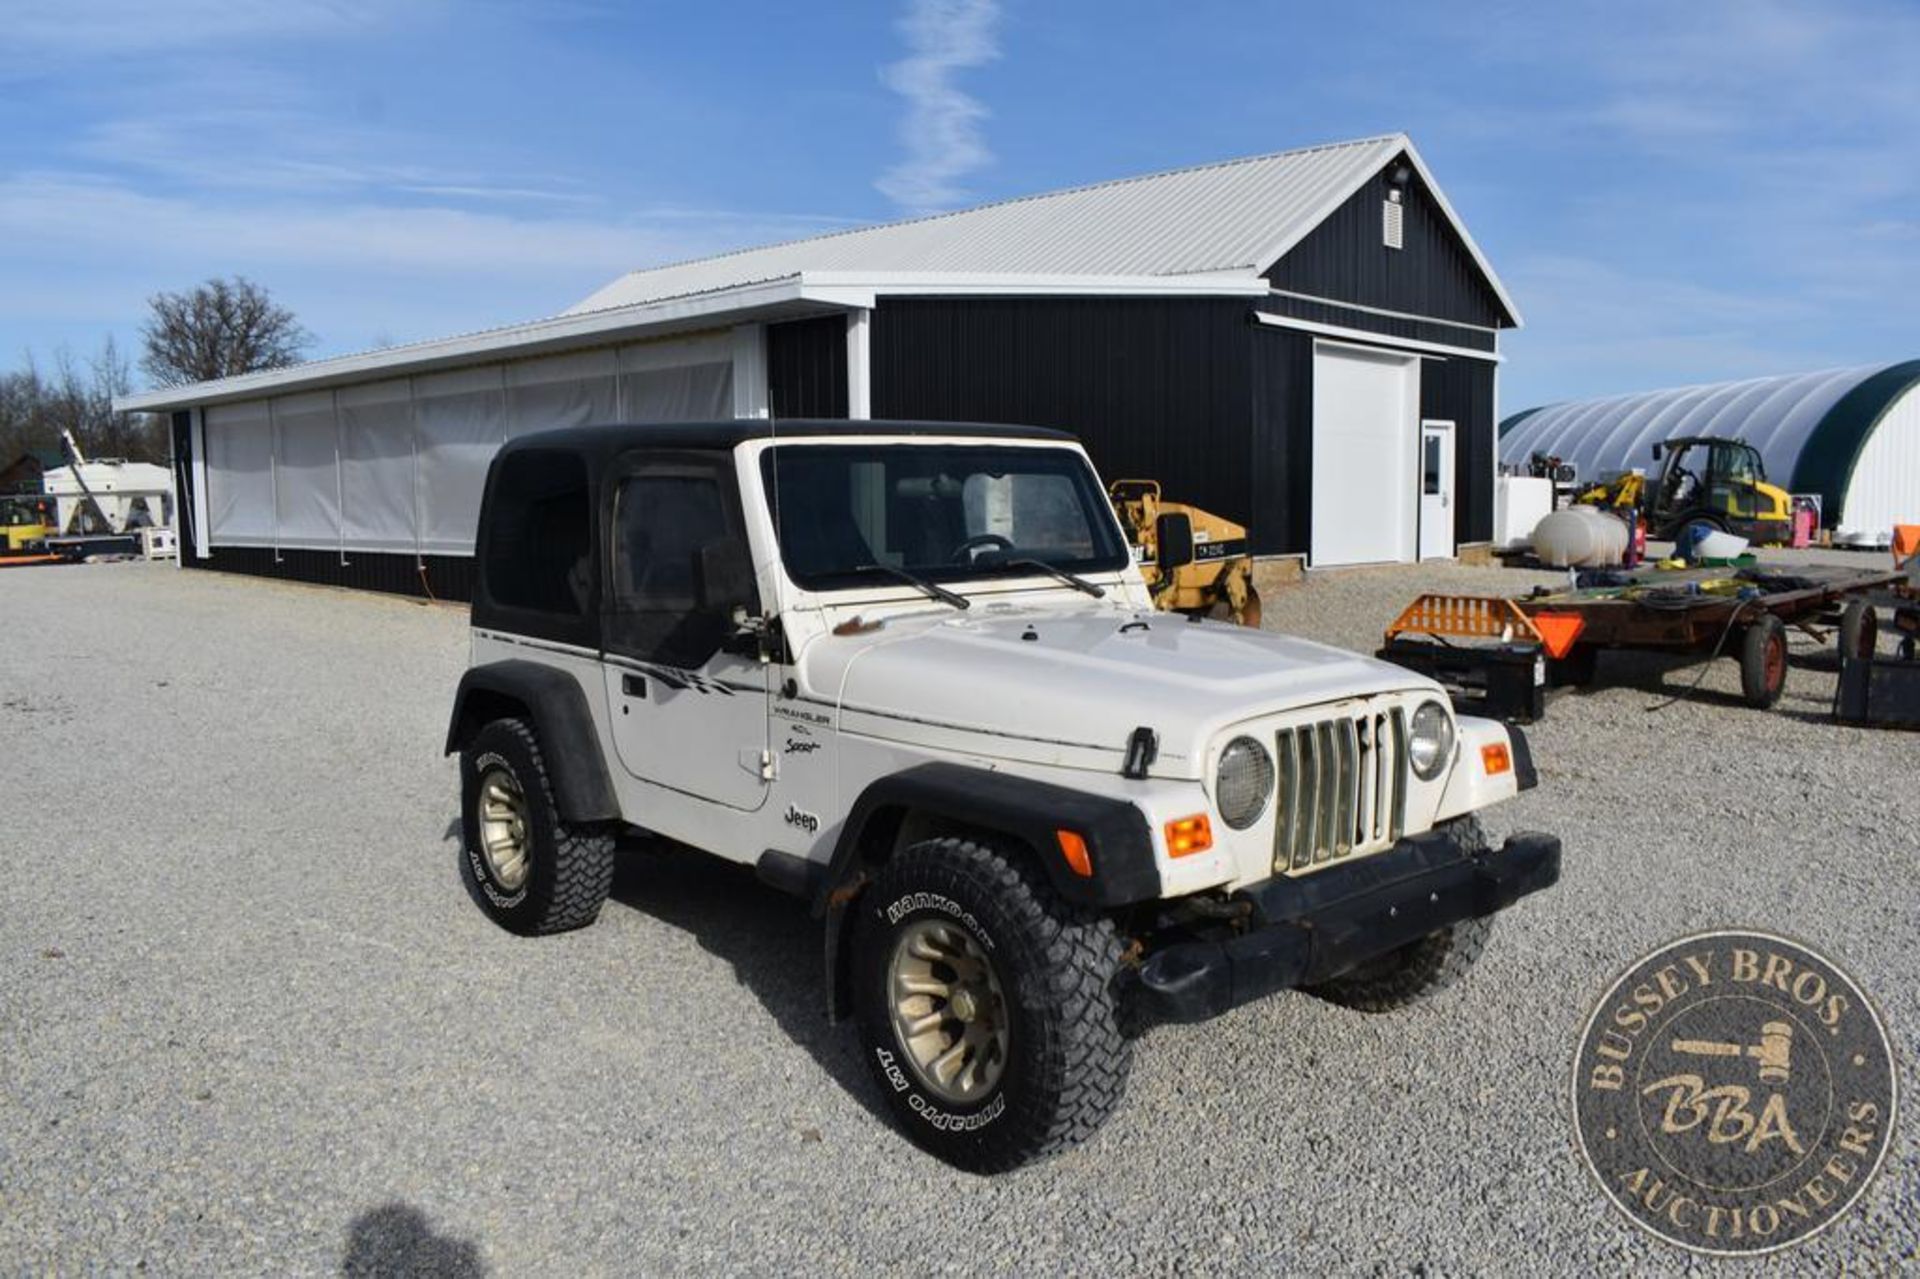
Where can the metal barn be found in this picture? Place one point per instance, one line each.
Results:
(1305, 342)
(1850, 436)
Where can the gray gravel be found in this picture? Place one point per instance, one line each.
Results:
(250, 1022)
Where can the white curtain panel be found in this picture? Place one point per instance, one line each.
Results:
(239, 474)
(682, 380)
(306, 470)
(400, 465)
(376, 466)
(562, 391)
(459, 422)
(690, 393)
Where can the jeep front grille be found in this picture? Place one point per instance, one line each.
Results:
(1342, 788)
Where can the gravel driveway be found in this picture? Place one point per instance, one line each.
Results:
(250, 1021)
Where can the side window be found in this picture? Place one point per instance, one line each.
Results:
(538, 536)
(664, 519)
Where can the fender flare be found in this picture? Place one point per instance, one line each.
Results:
(1119, 841)
(555, 705)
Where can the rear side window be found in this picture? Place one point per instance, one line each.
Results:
(668, 514)
(539, 535)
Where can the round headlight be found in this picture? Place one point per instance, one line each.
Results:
(1243, 783)
(1430, 740)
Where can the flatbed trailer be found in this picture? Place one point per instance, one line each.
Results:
(1740, 610)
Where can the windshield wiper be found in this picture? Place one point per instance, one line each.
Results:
(1059, 574)
(932, 591)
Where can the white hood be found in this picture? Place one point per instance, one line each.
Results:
(1069, 687)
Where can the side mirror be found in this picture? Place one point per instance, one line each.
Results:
(1656, 452)
(1173, 541)
(725, 572)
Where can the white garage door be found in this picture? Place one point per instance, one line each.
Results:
(1364, 436)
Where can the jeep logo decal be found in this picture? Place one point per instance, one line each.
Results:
(808, 822)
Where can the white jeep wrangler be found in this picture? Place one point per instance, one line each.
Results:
(910, 672)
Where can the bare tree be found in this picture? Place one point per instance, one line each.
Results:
(219, 329)
(38, 407)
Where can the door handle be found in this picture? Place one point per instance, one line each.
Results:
(633, 685)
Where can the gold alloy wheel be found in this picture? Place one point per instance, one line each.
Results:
(503, 828)
(949, 1012)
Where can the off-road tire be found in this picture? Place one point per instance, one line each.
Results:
(1859, 630)
(1423, 966)
(1066, 1059)
(1763, 662)
(570, 866)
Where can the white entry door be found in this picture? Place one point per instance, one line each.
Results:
(1436, 490)
(1365, 431)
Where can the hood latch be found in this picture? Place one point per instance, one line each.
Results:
(1143, 747)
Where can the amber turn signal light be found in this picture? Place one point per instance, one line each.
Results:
(1189, 835)
(1496, 759)
(1073, 847)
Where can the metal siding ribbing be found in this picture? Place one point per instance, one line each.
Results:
(1216, 217)
(1391, 326)
(1461, 392)
(1433, 275)
(1155, 388)
(807, 367)
(1280, 456)
(1811, 429)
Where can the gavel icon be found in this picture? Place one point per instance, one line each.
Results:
(1774, 1052)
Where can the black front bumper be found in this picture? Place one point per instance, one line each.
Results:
(1308, 929)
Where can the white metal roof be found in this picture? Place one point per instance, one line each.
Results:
(1777, 415)
(1206, 230)
(1238, 217)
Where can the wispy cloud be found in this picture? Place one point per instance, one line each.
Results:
(942, 130)
(41, 29)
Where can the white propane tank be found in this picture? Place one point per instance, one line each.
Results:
(1580, 537)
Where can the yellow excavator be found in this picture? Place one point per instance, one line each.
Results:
(1702, 479)
(1211, 573)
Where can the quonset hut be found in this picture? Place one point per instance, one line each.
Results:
(1849, 436)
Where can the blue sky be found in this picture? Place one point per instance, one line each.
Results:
(1672, 192)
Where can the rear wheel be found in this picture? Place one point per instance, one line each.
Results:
(986, 1006)
(532, 871)
(1763, 663)
(1859, 630)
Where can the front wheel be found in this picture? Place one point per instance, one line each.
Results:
(986, 1005)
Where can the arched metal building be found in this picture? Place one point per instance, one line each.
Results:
(1850, 435)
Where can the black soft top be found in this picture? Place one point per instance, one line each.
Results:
(597, 444)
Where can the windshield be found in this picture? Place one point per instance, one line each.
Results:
(941, 512)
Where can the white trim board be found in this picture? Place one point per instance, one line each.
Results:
(1377, 341)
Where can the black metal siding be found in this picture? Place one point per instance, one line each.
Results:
(1461, 391)
(1346, 259)
(807, 367)
(180, 431)
(445, 577)
(1388, 326)
(1157, 388)
(1281, 456)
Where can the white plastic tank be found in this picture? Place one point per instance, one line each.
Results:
(1580, 537)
